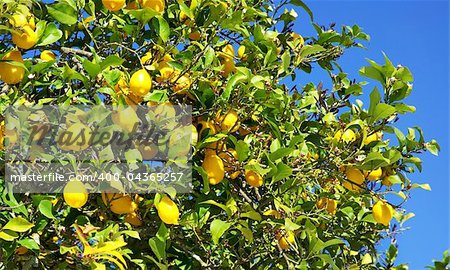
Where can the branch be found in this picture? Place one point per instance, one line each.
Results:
(76, 51)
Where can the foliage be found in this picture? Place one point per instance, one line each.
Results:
(294, 144)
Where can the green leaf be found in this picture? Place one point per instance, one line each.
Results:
(252, 214)
(163, 232)
(218, 228)
(212, 202)
(248, 234)
(91, 68)
(310, 49)
(158, 247)
(283, 171)
(50, 35)
(242, 150)
(45, 207)
(28, 243)
(422, 186)
(164, 29)
(382, 111)
(112, 60)
(373, 73)
(373, 161)
(327, 259)
(18, 224)
(63, 13)
(231, 85)
(374, 100)
(142, 15)
(280, 153)
(300, 3)
(433, 147)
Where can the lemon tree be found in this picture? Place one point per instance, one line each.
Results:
(285, 175)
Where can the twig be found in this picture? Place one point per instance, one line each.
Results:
(75, 51)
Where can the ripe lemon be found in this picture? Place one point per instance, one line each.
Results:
(76, 137)
(228, 66)
(134, 219)
(9, 73)
(382, 212)
(166, 73)
(356, 177)
(229, 121)
(157, 5)
(182, 84)
(321, 203)
(253, 178)
(374, 174)
(75, 194)
(113, 5)
(348, 136)
(25, 38)
(374, 137)
(213, 165)
(331, 206)
(125, 118)
(241, 53)
(285, 241)
(140, 83)
(168, 211)
(119, 203)
(18, 20)
(228, 51)
(47, 55)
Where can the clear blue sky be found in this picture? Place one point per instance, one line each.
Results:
(414, 34)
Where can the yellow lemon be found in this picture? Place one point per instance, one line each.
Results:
(382, 212)
(47, 55)
(18, 20)
(75, 194)
(213, 165)
(10, 73)
(25, 38)
(157, 5)
(76, 137)
(182, 84)
(168, 211)
(377, 136)
(229, 122)
(113, 5)
(241, 53)
(286, 240)
(356, 177)
(228, 51)
(228, 66)
(126, 118)
(321, 203)
(134, 219)
(374, 174)
(348, 136)
(253, 178)
(140, 83)
(119, 203)
(331, 206)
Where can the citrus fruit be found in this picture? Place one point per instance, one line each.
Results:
(47, 55)
(253, 178)
(9, 73)
(348, 136)
(76, 137)
(377, 136)
(126, 118)
(382, 212)
(25, 38)
(356, 178)
(286, 240)
(119, 203)
(113, 5)
(75, 194)
(168, 211)
(157, 5)
(374, 174)
(140, 83)
(134, 219)
(213, 165)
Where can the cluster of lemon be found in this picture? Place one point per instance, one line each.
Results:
(76, 195)
(382, 211)
(219, 160)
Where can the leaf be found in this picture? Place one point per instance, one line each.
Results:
(212, 202)
(158, 247)
(45, 207)
(283, 171)
(143, 15)
(18, 224)
(248, 234)
(280, 153)
(373, 73)
(63, 13)
(252, 214)
(242, 150)
(8, 235)
(164, 29)
(112, 60)
(382, 111)
(231, 85)
(29, 243)
(374, 100)
(433, 147)
(218, 228)
(327, 259)
(310, 49)
(422, 186)
(50, 35)
(300, 3)
(91, 68)
(373, 161)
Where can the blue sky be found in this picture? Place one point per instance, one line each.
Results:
(414, 34)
